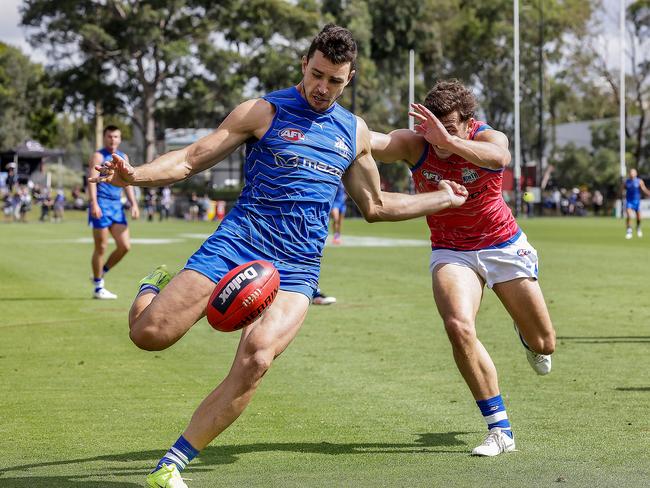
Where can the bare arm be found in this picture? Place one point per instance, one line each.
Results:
(95, 211)
(489, 149)
(644, 189)
(250, 119)
(362, 183)
(399, 145)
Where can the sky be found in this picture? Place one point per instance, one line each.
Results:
(12, 33)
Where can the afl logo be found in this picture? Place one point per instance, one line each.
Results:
(431, 176)
(292, 135)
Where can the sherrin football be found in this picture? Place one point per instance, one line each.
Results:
(243, 295)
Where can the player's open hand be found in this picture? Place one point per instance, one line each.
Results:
(457, 193)
(429, 126)
(117, 172)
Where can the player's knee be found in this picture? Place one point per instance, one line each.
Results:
(149, 338)
(123, 247)
(257, 364)
(461, 331)
(101, 248)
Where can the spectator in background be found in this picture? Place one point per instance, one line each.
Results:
(59, 206)
(7, 207)
(529, 200)
(11, 176)
(165, 202)
(150, 198)
(204, 207)
(597, 202)
(78, 202)
(556, 196)
(25, 203)
(44, 198)
(194, 207)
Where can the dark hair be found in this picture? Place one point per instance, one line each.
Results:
(337, 45)
(110, 128)
(447, 96)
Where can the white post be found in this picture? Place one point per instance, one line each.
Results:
(621, 92)
(411, 85)
(517, 168)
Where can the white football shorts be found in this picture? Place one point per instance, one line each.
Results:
(495, 264)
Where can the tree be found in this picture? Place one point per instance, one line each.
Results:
(26, 100)
(156, 50)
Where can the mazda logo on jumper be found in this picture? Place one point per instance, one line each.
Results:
(230, 291)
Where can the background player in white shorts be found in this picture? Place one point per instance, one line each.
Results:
(475, 244)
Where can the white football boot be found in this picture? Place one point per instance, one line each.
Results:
(104, 294)
(639, 233)
(628, 233)
(494, 444)
(541, 363)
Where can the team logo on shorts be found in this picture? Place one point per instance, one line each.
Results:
(523, 252)
(469, 175)
(342, 147)
(292, 135)
(431, 176)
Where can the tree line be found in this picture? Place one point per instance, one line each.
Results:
(158, 64)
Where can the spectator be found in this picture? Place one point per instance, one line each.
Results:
(7, 207)
(59, 206)
(165, 202)
(11, 176)
(44, 198)
(194, 207)
(150, 198)
(597, 202)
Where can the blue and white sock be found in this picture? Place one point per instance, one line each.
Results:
(99, 283)
(494, 413)
(180, 454)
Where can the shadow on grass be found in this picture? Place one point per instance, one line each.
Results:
(427, 443)
(605, 339)
(633, 388)
(62, 482)
(40, 299)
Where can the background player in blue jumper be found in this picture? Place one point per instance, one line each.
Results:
(633, 187)
(299, 145)
(106, 213)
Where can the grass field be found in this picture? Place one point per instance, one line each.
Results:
(366, 396)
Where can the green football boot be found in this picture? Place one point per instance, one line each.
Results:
(166, 477)
(158, 278)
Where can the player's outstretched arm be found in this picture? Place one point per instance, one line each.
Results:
(363, 185)
(489, 149)
(398, 145)
(250, 119)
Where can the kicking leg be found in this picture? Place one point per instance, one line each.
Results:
(158, 320)
(260, 343)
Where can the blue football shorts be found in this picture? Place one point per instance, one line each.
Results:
(225, 250)
(633, 204)
(112, 213)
